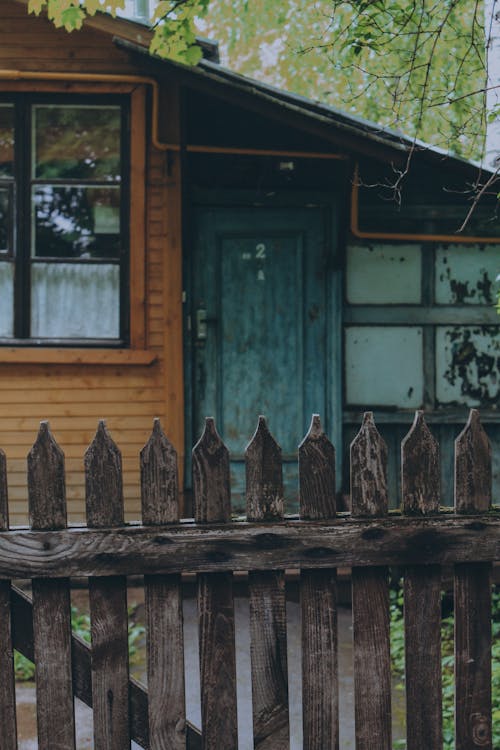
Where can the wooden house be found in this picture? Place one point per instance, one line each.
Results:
(181, 242)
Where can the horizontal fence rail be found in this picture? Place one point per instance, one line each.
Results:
(419, 540)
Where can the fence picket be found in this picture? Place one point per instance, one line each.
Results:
(318, 599)
(472, 587)
(108, 600)
(163, 601)
(212, 499)
(8, 733)
(420, 481)
(264, 494)
(370, 598)
(51, 600)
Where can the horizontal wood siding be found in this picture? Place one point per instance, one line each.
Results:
(71, 397)
(29, 42)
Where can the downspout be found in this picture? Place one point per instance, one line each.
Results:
(26, 75)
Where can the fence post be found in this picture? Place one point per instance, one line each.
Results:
(370, 598)
(108, 600)
(163, 601)
(318, 599)
(420, 481)
(264, 493)
(8, 731)
(473, 596)
(212, 499)
(51, 600)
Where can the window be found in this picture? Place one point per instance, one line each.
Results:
(421, 328)
(63, 228)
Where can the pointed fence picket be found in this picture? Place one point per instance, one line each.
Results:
(419, 541)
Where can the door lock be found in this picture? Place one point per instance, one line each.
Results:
(201, 324)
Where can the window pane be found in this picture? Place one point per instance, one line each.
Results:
(5, 221)
(76, 222)
(76, 142)
(384, 366)
(467, 274)
(468, 365)
(6, 140)
(6, 299)
(383, 274)
(73, 300)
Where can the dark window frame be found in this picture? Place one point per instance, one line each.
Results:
(21, 186)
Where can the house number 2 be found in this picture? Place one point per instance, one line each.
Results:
(260, 254)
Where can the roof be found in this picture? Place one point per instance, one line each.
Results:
(330, 122)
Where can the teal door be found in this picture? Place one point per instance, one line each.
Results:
(260, 328)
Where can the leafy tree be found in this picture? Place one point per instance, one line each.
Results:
(415, 65)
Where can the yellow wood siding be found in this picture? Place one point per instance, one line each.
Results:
(74, 397)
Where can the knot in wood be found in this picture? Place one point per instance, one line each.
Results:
(480, 727)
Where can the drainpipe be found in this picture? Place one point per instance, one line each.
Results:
(28, 75)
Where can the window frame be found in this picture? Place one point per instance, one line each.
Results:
(22, 211)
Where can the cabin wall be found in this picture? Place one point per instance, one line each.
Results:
(75, 391)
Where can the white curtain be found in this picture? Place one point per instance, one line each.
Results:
(73, 300)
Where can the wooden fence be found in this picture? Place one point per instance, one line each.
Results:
(420, 540)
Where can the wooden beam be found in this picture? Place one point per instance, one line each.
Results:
(48, 356)
(344, 542)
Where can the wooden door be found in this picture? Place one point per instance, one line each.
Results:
(260, 330)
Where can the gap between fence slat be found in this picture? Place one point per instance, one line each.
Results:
(22, 636)
(420, 483)
(8, 733)
(370, 598)
(51, 601)
(108, 600)
(212, 499)
(163, 602)
(472, 594)
(318, 599)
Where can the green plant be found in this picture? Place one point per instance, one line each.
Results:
(447, 661)
(80, 625)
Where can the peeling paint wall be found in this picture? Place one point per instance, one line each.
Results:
(466, 275)
(468, 365)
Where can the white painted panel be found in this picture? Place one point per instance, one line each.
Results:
(466, 274)
(384, 366)
(6, 299)
(72, 300)
(468, 365)
(384, 274)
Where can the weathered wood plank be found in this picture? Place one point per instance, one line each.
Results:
(370, 598)
(420, 475)
(108, 600)
(264, 495)
(22, 631)
(345, 542)
(163, 602)
(472, 467)
(8, 733)
(472, 589)
(51, 601)
(318, 599)
(420, 481)
(215, 600)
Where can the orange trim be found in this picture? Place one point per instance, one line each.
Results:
(200, 149)
(364, 235)
(30, 75)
